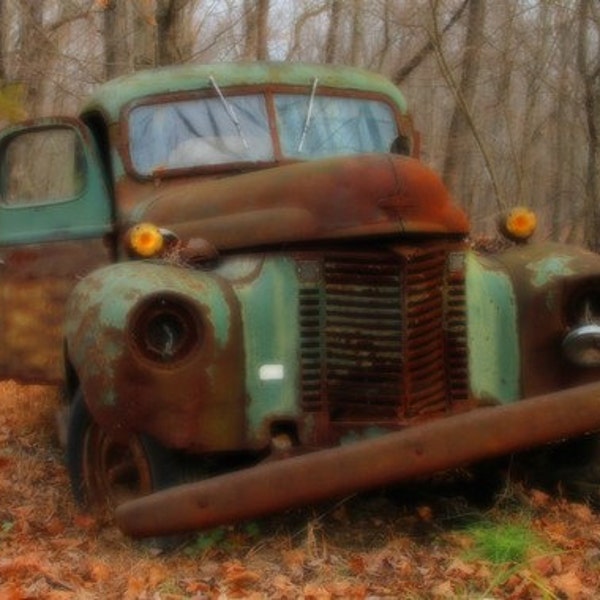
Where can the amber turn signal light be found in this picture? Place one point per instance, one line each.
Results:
(519, 224)
(145, 240)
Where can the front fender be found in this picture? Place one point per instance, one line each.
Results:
(544, 278)
(197, 403)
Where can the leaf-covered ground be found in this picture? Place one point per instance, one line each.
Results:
(527, 545)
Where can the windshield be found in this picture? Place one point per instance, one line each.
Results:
(233, 129)
(336, 126)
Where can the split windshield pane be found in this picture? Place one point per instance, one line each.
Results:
(332, 126)
(207, 131)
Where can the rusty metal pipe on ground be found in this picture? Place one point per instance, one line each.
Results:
(420, 450)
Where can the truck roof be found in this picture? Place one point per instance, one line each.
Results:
(111, 97)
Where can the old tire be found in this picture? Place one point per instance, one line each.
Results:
(104, 471)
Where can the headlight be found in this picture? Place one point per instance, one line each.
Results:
(166, 329)
(582, 346)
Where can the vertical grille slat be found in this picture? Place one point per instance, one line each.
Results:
(361, 300)
(383, 334)
(424, 278)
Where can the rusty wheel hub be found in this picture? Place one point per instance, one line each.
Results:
(114, 470)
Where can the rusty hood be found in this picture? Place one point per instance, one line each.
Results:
(348, 197)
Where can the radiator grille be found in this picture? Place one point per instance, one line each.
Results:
(382, 335)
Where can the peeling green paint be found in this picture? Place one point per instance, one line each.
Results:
(108, 297)
(129, 282)
(549, 268)
(266, 303)
(492, 333)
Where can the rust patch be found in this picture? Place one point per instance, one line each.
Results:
(36, 283)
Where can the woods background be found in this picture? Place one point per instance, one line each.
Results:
(505, 93)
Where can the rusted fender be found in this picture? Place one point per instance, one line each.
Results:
(395, 457)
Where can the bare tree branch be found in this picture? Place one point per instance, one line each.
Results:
(429, 47)
(299, 24)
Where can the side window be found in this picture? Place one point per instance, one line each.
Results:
(42, 166)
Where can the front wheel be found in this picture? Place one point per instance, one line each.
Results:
(104, 471)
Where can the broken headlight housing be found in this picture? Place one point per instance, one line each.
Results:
(166, 329)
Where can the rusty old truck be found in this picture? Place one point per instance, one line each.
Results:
(256, 296)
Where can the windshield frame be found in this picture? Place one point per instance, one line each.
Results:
(269, 91)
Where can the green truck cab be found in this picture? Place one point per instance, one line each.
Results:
(231, 264)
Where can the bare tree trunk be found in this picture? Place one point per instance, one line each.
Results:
(3, 20)
(562, 151)
(33, 52)
(144, 33)
(117, 53)
(588, 62)
(262, 30)
(172, 40)
(256, 29)
(528, 190)
(333, 33)
(386, 43)
(459, 126)
(501, 19)
(357, 41)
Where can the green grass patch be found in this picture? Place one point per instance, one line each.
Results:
(505, 542)
(508, 546)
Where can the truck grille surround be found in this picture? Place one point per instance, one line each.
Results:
(383, 334)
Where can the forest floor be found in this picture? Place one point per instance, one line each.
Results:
(527, 544)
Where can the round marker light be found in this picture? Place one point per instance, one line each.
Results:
(145, 240)
(519, 224)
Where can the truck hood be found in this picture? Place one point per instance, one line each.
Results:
(349, 197)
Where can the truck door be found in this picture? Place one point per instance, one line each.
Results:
(56, 218)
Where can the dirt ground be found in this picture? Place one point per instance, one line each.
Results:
(382, 545)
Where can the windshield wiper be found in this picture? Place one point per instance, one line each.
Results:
(230, 112)
(311, 103)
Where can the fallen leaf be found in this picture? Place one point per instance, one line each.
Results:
(570, 584)
(539, 499)
(83, 521)
(100, 571)
(282, 587)
(236, 575)
(313, 591)
(357, 564)
(460, 568)
(581, 512)
(443, 590)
